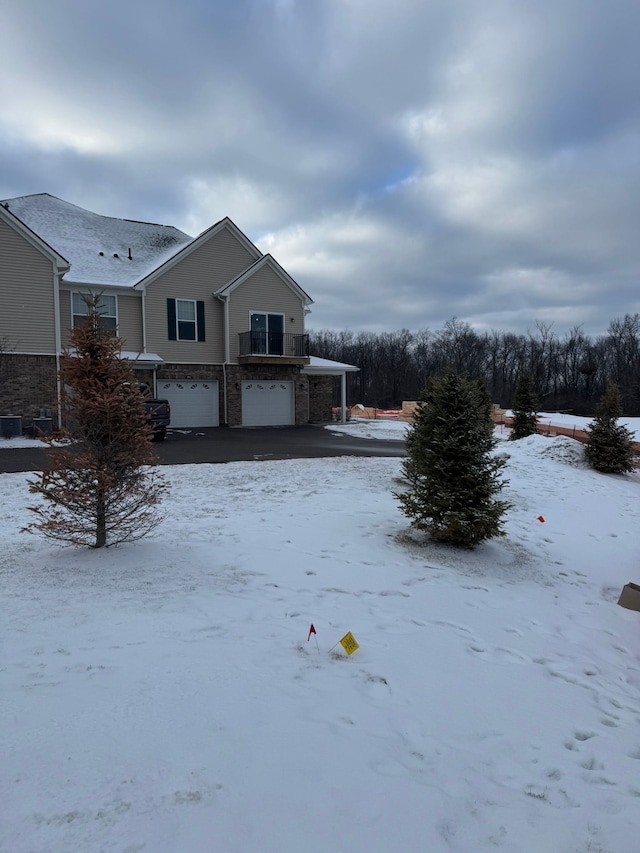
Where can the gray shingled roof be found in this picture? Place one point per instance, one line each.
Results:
(80, 235)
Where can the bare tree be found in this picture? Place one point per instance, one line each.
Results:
(568, 374)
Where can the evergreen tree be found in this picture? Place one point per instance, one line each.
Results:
(98, 490)
(524, 409)
(609, 448)
(451, 471)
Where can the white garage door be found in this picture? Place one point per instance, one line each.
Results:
(267, 404)
(193, 404)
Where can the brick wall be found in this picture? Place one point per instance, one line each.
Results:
(320, 398)
(234, 399)
(313, 395)
(28, 387)
(197, 372)
(301, 395)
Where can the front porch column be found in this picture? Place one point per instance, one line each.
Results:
(343, 397)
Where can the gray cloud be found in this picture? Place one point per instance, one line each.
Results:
(406, 162)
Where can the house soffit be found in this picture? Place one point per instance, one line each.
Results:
(122, 289)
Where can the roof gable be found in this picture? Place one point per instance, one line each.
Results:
(105, 251)
(195, 244)
(265, 260)
(8, 216)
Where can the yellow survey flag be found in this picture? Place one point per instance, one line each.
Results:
(348, 643)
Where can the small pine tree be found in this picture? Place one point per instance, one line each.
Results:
(609, 448)
(524, 409)
(98, 490)
(451, 471)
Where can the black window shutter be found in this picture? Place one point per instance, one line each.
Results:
(171, 319)
(200, 316)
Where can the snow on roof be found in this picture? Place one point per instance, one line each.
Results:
(326, 366)
(81, 236)
(142, 357)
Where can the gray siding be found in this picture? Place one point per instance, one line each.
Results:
(197, 276)
(26, 289)
(263, 291)
(129, 317)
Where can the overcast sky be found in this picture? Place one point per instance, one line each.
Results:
(406, 161)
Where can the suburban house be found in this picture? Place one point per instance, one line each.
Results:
(210, 323)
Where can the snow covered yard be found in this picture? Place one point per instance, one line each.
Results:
(162, 696)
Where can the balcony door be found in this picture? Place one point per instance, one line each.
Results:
(267, 333)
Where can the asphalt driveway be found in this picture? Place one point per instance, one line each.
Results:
(235, 445)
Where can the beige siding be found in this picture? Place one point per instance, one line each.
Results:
(26, 292)
(65, 316)
(130, 321)
(263, 291)
(129, 318)
(198, 276)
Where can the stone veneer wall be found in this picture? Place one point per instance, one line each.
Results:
(313, 395)
(28, 387)
(238, 373)
(196, 372)
(320, 398)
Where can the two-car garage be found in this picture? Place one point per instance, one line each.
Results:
(196, 403)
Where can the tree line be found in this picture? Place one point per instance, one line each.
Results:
(569, 372)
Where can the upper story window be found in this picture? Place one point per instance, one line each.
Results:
(185, 319)
(107, 306)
